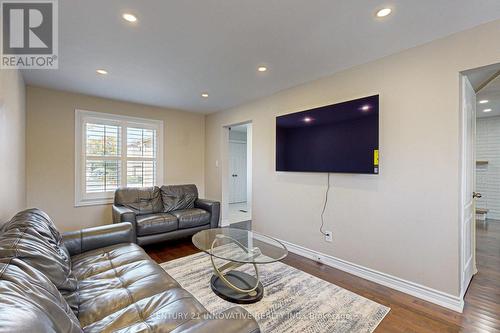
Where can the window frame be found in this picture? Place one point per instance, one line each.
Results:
(83, 117)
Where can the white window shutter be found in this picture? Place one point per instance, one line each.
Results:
(106, 161)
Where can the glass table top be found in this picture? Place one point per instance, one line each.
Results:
(240, 245)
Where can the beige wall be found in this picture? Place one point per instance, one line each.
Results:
(51, 157)
(12, 144)
(403, 222)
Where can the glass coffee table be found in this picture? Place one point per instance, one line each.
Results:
(238, 247)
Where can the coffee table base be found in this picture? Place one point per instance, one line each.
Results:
(240, 280)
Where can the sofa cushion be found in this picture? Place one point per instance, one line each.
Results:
(29, 301)
(189, 218)
(177, 197)
(31, 237)
(156, 223)
(121, 287)
(163, 312)
(145, 200)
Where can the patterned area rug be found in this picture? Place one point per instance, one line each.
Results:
(294, 301)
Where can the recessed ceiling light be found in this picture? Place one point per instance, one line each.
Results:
(384, 12)
(102, 71)
(129, 17)
(487, 110)
(484, 101)
(262, 69)
(204, 95)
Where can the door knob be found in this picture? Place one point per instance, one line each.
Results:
(477, 195)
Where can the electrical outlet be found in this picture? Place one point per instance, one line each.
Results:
(328, 236)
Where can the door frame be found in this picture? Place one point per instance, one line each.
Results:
(225, 168)
(464, 174)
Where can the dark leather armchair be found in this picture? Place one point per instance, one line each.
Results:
(166, 213)
(94, 280)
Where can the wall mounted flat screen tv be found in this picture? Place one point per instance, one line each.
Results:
(339, 138)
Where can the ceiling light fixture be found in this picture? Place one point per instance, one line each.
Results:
(484, 101)
(487, 110)
(102, 71)
(262, 69)
(129, 17)
(307, 119)
(204, 95)
(384, 12)
(365, 107)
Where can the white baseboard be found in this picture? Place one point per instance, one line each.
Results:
(451, 302)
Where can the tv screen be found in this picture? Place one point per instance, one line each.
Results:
(339, 138)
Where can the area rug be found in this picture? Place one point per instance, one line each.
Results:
(294, 301)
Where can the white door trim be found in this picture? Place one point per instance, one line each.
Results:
(224, 169)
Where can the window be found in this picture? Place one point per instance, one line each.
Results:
(113, 151)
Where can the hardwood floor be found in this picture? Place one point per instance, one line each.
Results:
(408, 314)
(482, 300)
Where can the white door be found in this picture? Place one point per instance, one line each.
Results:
(237, 172)
(468, 182)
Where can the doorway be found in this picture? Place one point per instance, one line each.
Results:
(237, 174)
(480, 222)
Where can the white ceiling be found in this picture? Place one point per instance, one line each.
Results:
(491, 93)
(240, 128)
(479, 76)
(180, 48)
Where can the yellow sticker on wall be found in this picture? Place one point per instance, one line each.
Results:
(375, 157)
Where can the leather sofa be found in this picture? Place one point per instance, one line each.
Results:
(166, 213)
(94, 280)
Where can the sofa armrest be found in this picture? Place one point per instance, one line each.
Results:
(232, 320)
(213, 207)
(93, 238)
(123, 214)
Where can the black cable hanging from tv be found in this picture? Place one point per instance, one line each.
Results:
(324, 207)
